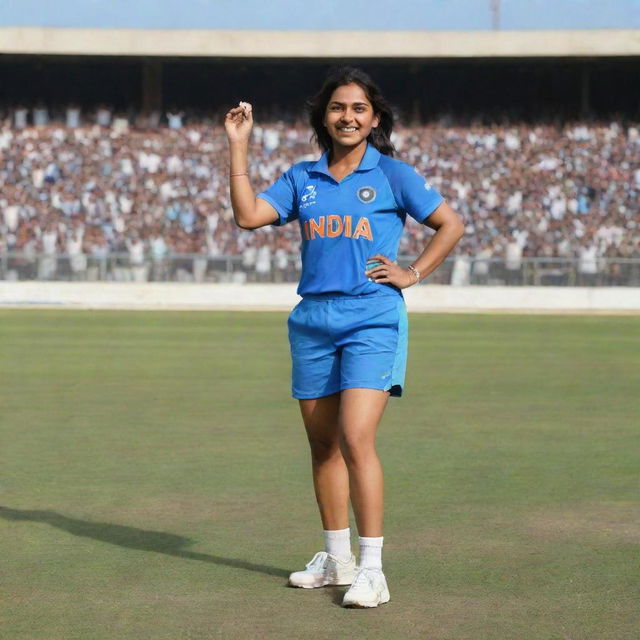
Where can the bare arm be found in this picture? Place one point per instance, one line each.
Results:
(449, 229)
(249, 212)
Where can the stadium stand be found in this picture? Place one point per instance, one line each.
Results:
(530, 130)
(97, 197)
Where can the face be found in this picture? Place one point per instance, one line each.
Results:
(349, 116)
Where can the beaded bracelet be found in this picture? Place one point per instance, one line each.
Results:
(415, 272)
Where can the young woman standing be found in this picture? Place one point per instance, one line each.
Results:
(348, 335)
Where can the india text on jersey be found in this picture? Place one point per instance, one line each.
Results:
(334, 225)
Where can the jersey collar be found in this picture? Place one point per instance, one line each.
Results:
(369, 161)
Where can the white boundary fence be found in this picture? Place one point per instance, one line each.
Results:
(282, 297)
(200, 268)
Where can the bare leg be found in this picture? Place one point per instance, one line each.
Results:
(360, 411)
(330, 477)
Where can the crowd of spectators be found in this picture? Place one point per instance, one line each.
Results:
(93, 185)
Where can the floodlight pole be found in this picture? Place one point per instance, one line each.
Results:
(495, 12)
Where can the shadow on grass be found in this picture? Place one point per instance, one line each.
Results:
(132, 538)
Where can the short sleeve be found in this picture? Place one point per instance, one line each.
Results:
(412, 192)
(281, 195)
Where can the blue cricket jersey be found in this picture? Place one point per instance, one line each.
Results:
(345, 223)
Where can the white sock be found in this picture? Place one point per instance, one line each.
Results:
(370, 553)
(338, 543)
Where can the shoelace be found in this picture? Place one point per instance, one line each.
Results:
(361, 579)
(318, 561)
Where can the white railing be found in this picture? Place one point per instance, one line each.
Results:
(119, 267)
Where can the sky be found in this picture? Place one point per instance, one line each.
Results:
(352, 15)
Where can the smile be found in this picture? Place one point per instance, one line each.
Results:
(347, 129)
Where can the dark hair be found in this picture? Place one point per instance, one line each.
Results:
(380, 137)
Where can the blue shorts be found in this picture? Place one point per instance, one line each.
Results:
(345, 342)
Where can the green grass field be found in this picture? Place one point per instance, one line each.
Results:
(155, 481)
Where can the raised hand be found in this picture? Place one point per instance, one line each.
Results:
(238, 122)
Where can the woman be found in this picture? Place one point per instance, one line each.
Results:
(348, 335)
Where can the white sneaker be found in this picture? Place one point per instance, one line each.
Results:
(368, 589)
(324, 569)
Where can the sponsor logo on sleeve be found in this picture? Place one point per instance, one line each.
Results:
(427, 184)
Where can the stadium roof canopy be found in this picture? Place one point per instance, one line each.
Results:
(329, 29)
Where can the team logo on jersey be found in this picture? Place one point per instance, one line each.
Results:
(366, 194)
(427, 186)
(308, 197)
